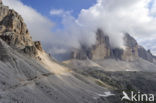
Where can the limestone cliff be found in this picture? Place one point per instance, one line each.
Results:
(134, 50)
(14, 31)
(102, 49)
(131, 48)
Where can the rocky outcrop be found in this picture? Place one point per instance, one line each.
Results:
(131, 48)
(38, 45)
(31, 50)
(14, 31)
(13, 27)
(102, 49)
(147, 55)
(4, 55)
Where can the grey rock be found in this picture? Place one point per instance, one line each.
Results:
(4, 56)
(133, 50)
(145, 54)
(100, 50)
(30, 50)
(103, 50)
(23, 79)
(130, 41)
(83, 53)
(117, 53)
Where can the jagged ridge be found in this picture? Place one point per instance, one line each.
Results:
(102, 49)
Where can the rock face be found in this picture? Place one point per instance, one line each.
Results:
(14, 31)
(133, 50)
(102, 49)
(147, 55)
(38, 45)
(117, 53)
(83, 53)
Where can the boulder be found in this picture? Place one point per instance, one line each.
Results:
(30, 50)
(38, 45)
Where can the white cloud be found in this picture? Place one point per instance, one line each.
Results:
(60, 12)
(114, 17)
(57, 12)
(38, 25)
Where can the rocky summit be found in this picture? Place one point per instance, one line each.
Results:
(14, 31)
(134, 50)
(103, 50)
(97, 74)
(100, 50)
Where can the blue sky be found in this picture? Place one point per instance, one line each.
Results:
(151, 4)
(44, 7)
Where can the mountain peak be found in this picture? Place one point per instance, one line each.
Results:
(15, 33)
(102, 49)
(129, 40)
(101, 37)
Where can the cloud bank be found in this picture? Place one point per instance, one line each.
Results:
(38, 25)
(59, 12)
(115, 17)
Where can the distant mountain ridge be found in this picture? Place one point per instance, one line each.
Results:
(102, 50)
